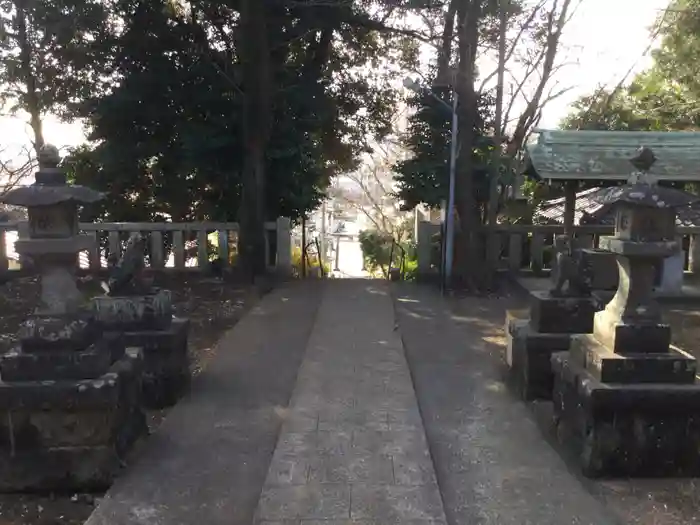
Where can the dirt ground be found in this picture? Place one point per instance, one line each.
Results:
(212, 307)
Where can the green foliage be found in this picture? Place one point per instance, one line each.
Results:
(648, 104)
(47, 52)
(424, 177)
(676, 59)
(663, 98)
(376, 249)
(410, 269)
(312, 262)
(161, 87)
(380, 252)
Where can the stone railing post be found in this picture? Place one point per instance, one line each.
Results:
(423, 246)
(23, 234)
(694, 256)
(283, 264)
(4, 261)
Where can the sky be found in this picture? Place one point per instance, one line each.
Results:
(604, 39)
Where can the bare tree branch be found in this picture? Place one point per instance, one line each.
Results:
(515, 41)
(373, 197)
(556, 19)
(15, 167)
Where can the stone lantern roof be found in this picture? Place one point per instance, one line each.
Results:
(642, 194)
(642, 188)
(51, 186)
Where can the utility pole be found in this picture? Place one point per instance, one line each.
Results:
(492, 244)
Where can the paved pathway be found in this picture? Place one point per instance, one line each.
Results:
(307, 415)
(349, 259)
(354, 449)
(207, 462)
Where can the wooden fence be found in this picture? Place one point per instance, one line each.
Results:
(529, 248)
(171, 245)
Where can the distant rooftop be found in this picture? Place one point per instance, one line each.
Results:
(587, 211)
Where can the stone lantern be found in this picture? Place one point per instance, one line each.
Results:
(645, 234)
(70, 397)
(54, 241)
(627, 395)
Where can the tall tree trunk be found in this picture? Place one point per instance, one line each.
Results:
(468, 251)
(445, 51)
(255, 58)
(492, 245)
(32, 102)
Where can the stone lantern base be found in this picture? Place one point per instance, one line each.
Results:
(628, 415)
(68, 433)
(528, 354)
(166, 374)
(146, 322)
(535, 335)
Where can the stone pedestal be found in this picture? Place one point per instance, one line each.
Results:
(70, 398)
(535, 335)
(623, 396)
(634, 411)
(67, 417)
(166, 375)
(631, 427)
(561, 315)
(151, 311)
(603, 268)
(146, 322)
(528, 356)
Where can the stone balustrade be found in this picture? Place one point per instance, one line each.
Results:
(172, 245)
(527, 248)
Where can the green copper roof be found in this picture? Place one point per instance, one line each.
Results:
(605, 155)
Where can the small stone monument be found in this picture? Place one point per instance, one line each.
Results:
(69, 397)
(627, 397)
(144, 316)
(554, 316)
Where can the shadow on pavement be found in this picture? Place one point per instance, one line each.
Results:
(455, 351)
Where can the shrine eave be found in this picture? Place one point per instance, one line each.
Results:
(605, 155)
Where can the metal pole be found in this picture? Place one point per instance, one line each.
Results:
(322, 244)
(337, 254)
(449, 226)
(303, 247)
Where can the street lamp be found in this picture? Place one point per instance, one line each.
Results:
(414, 85)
